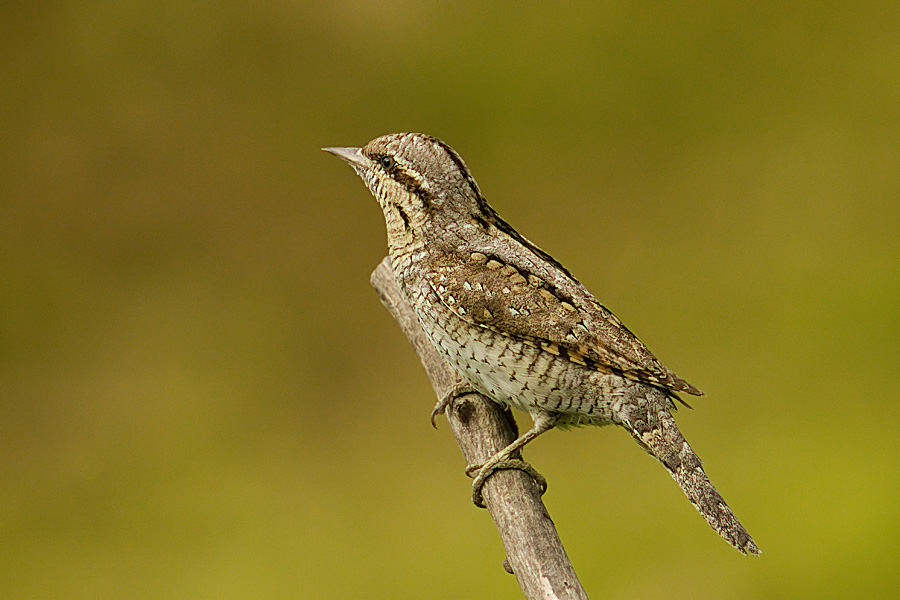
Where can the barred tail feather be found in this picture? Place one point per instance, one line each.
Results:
(655, 430)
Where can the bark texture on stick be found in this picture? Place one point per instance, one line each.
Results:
(481, 427)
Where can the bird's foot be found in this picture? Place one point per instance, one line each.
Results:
(459, 389)
(482, 472)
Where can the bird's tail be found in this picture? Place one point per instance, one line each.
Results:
(655, 430)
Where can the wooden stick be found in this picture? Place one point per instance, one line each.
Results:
(482, 427)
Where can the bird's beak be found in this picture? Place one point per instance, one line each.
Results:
(351, 155)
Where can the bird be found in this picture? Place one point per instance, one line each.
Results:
(517, 325)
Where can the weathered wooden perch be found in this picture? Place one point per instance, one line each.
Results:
(481, 427)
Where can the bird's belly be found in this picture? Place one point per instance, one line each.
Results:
(515, 373)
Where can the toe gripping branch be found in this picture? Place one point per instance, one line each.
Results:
(460, 388)
(482, 472)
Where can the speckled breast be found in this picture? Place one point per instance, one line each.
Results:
(512, 372)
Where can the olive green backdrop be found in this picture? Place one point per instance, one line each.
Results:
(201, 396)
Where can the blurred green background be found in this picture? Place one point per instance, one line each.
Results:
(202, 397)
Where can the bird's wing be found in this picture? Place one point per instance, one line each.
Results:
(511, 301)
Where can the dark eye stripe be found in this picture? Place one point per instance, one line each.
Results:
(412, 185)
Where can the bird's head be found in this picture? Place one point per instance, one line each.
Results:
(419, 181)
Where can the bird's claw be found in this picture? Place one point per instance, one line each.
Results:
(482, 472)
(452, 394)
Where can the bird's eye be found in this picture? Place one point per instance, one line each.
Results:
(386, 162)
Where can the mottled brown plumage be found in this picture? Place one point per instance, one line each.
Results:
(516, 324)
